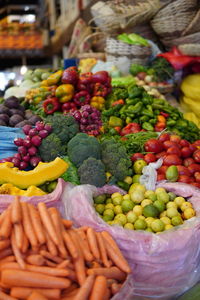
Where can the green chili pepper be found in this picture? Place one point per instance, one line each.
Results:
(144, 119)
(147, 126)
(146, 112)
(136, 108)
(132, 101)
(134, 91)
(153, 121)
(128, 120)
(171, 122)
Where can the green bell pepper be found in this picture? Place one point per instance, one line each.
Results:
(115, 122)
(147, 126)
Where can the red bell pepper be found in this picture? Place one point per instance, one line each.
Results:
(164, 114)
(67, 106)
(130, 128)
(85, 78)
(50, 105)
(100, 90)
(81, 98)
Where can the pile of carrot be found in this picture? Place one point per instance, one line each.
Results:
(43, 257)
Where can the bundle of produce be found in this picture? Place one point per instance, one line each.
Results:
(169, 256)
(42, 256)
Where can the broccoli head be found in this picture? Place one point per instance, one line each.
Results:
(81, 147)
(51, 147)
(92, 171)
(64, 126)
(115, 158)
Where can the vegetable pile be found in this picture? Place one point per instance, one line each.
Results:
(42, 256)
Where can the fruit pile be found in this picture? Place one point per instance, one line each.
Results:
(141, 209)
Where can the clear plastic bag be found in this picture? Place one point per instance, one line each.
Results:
(163, 265)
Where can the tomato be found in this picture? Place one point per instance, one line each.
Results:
(162, 169)
(174, 150)
(183, 171)
(193, 148)
(149, 158)
(172, 159)
(184, 178)
(197, 176)
(194, 168)
(161, 177)
(196, 184)
(188, 161)
(164, 137)
(153, 145)
(161, 154)
(175, 138)
(169, 144)
(184, 143)
(186, 152)
(196, 143)
(196, 156)
(136, 156)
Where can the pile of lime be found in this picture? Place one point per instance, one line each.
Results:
(142, 209)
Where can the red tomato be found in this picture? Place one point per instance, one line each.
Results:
(150, 157)
(174, 150)
(162, 169)
(161, 154)
(196, 156)
(186, 152)
(192, 148)
(161, 177)
(172, 159)
(183, 171)
(169, 144)
(196, 143)
(175, 138)
(164, 137)
(196, 184)
(188, 161)
(153, 145)
(184, 143)
(184, 178)
(136, 156)
(194, 168)
(197, 176)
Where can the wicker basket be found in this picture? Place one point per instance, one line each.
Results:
(190, 49)
(189, 39)
(194, 25)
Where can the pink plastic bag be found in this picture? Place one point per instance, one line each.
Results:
(163, 265)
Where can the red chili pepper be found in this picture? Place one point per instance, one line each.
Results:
(81, 98)
(164, 114)
(120, 101)
(50, 105)
(85, 78)
(100, 90)
(130, 128)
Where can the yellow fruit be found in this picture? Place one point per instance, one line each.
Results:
(137, 186)
(115, 195)
(140, 224)
(158, 190)
(157, 225)
(147, 193)
(137, 196)
(129, 226)
(168, 226)
(186, 205)
(141, 218)
(117, 209)
(165, 220)
(138, 210)
(171, 204)
(189, 213)
(145, 202)
(172, 212)
(179, 201)
(128, 179)
(109, 205)
(177, 220)
(163, 196)
(163, 214)
(149, 229)
(149, 220)
(126, 197)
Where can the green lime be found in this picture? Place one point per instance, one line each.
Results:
(150, 211)
(100, 208)
(106, 218)
(127, 205)
(126, 197)
(136, 178)
(100, 199)
(129, 226)
(117, 209)
(116, 222)
(163, 196)
(172, 196)
(51, 186)
(166, 220)
(139, 165)
(109, 205)
(152, 197)
(145, 202)
(160, 205)
(108, 200)
(131, 217)
(140, 224)
(117, 200)
(157, 225)
(172, 212)
(109, 212)
(149, 220)
(137, 196)
(177, 220)
(121, 218)
(149, 229)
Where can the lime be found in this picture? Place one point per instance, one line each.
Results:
(108, 200)
(139, 165)
(189, 213)
(121, 218)
(145, 202)
(136, 186)
(149, 220)
(131, 217)
(106, 218)
(127, 205)
(152, 197)
(177, 220)
(126, 197)
(148, 192)
(109, 205)
(172, 196)
(160, 205)
(149, 229)
(115, 195)
(138, 210)
(168, 226)
(166, 220)
(129, 226)
(158, 190)
(157, 226)
(137, 196)
(117, 200)
(136, 178)
(100, 208)
(141, 218)
(171, 204)
(163, 196)
(163, 214)
(100, 199)
(128, 179)
(186, 205)
(117, 209)
(109, 212)
(116, 222)
(140, 224)
(150, 211)
(172, 212)
(179, 201)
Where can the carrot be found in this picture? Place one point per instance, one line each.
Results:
(48, 255)
(28, 226)
(85, 289)
(47, 222)
(50, 245)
(67, 223)
(9, 258)
(93, 243)
(109, 240)
(24, 293)
(17, 253)
(10, 265)
(16, 211)
(4, 296)
(37, 224)
(63, 264)
(48, 270)
(4, 244)
(25, 244)
(50, 263)
(84, 246)
(84, 228)
(56, 219)
(102, 250)
(35, 259)
(2, 216)
(37, 296)
(99, 288)
(19, 278)
(115, 288)
(107, 295)
(70, 245)
(71, 288)
(6, 226)
(112, 272)
(19, 235)
(6, 252)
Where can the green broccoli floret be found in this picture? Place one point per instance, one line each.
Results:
(64, 126)
(115, 158)
(81, 147)
(51, 147)
(92, 171)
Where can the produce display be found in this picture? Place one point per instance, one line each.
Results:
(42, 256)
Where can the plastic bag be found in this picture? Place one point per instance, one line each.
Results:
(163, 265)
(7, 136)
(149, 176)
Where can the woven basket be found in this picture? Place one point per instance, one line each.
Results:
(190, 49)
(173, 18)
(189, 39)
(194, 25)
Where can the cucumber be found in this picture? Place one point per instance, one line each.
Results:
(192, 294)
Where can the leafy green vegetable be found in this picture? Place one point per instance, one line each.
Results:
(122, 81)
(71, 175)
(132, 39)
(136, 68)
(134, 142)
(163, 70)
